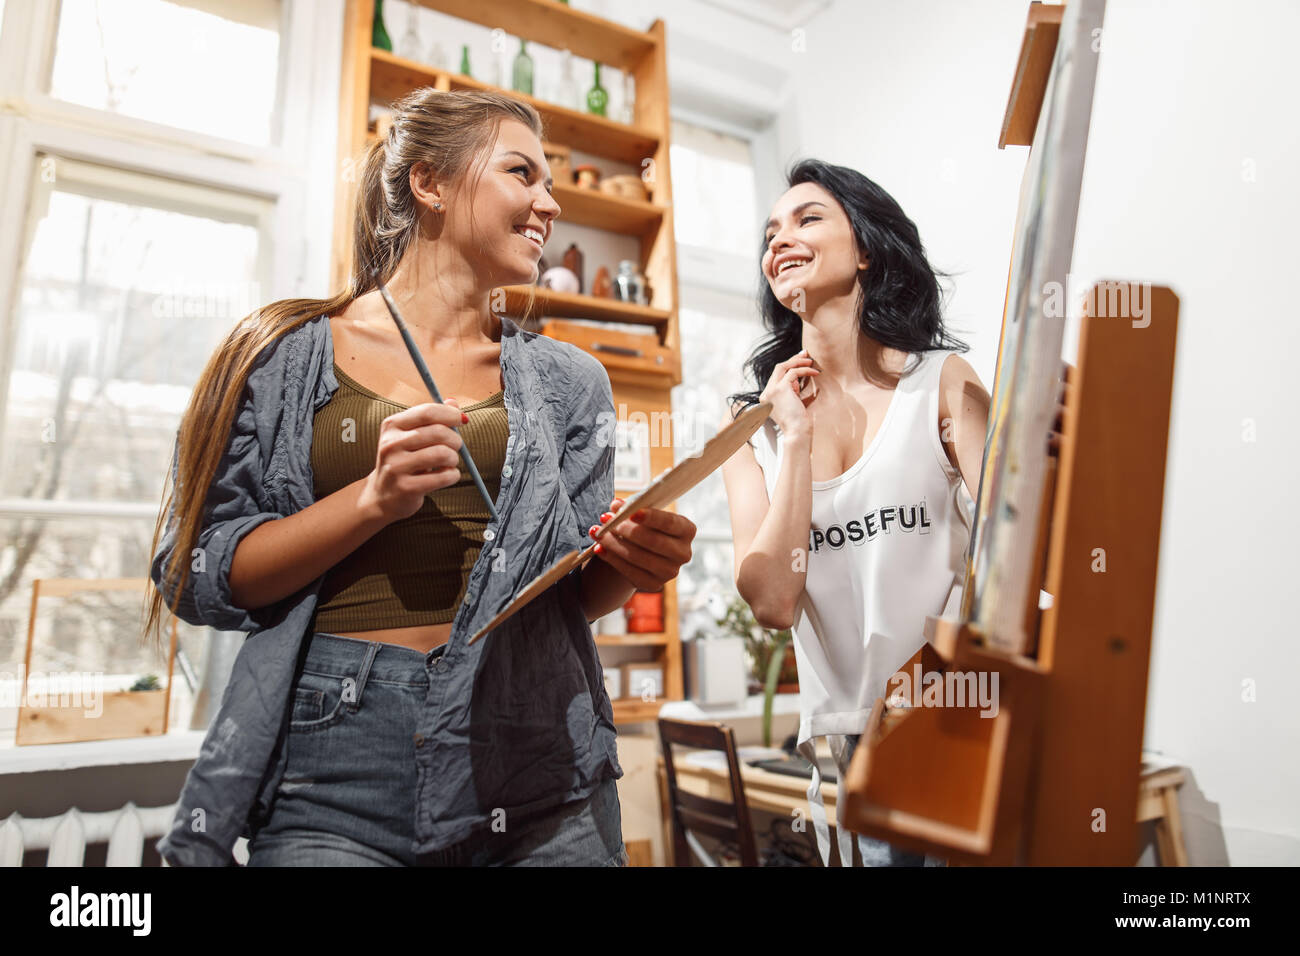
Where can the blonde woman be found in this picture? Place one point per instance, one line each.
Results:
(851, 508)
(320, 506)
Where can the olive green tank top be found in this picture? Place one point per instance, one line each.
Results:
(412, 571)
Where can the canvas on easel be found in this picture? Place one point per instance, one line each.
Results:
(1029, 357)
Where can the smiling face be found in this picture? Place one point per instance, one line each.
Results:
(512, 210)
(810, 249)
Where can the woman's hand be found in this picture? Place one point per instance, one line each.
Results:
(648, 548)
(419, 452)
(784, 389)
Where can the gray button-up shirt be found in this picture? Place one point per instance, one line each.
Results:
(520, 720)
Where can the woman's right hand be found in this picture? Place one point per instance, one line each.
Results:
(419, 452)
(789, 410)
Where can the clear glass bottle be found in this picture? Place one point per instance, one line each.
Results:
(627, 113)
(629, 284)
(597, 98)
(409, 45)
(521, 80)
(437, 56)
(566, 91)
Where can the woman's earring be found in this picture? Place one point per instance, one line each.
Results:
(438, 206)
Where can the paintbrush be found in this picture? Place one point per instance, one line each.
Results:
(433, 389)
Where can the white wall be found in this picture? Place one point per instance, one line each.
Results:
(1189, 182)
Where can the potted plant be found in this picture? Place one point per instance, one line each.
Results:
(771, 658)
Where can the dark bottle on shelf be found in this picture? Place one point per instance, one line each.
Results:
(379, 35)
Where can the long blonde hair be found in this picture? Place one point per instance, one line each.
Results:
(445, 130)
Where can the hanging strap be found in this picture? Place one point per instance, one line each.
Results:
(821, 825)
(815, 802)
(820, 822)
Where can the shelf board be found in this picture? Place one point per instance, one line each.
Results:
(392, 77)
(631, 640)
(634, 710)
(556, 25)
(548, 302)
(588, 207)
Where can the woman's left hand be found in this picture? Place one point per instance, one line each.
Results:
(648, 548)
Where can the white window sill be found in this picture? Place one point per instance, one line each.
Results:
(168, 748)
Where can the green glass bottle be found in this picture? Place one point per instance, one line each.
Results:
(522, 81)
(379, 35)
(597, 98)
(464, 60)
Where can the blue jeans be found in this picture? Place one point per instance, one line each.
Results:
(347, 797)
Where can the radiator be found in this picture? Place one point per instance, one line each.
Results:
(66, 836)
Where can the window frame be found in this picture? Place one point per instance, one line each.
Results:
(293, 173)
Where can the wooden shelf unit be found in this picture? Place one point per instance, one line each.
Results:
(372, 76)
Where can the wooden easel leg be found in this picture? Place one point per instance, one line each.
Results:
(1095, 639)
(1169, 831)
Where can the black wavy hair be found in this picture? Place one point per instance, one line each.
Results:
(899, 297)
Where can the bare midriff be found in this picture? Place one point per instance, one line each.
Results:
(422, 638)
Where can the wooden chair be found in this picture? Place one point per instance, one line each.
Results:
(692, 812)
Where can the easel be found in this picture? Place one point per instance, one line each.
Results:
(1053, 778)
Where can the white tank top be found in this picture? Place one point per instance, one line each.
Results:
(886, 548)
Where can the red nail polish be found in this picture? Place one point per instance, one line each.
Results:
(639, 515)
(597, 549)
(463, 418)
(606, 516)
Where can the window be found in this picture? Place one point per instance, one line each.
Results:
(717, 226)
(713, 191)
(155, 194)
(129, 283)
(199, 65)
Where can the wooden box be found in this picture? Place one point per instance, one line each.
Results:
(630, 351)
(64, 717)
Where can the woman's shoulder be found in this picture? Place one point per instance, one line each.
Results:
(566, 365)
(296, 343)
(955, 377)
(285, 373)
